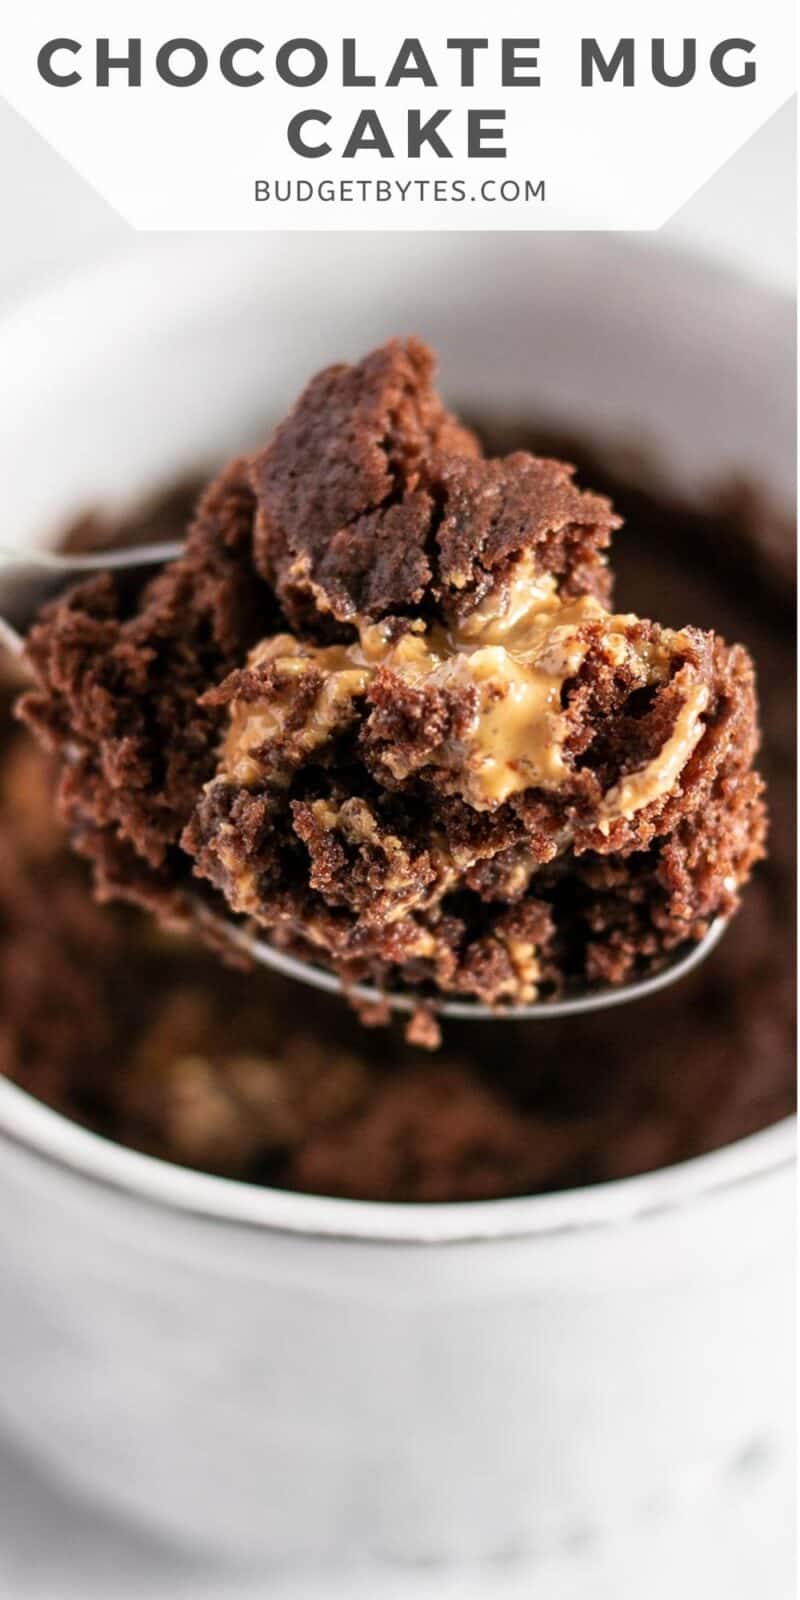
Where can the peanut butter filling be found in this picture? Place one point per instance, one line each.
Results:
(513, 655)
(255, 723)
(655, 779)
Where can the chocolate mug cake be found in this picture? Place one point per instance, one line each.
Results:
(142, 1035)
(382, 706)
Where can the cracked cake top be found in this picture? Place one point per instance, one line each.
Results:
(372, 500)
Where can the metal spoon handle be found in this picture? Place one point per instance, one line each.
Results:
(143, 555)
(30, 578)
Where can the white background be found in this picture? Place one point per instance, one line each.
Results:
(736, 1543)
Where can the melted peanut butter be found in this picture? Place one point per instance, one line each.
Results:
(254, 723)
(656, 779)
(513, 655)
(525, 962)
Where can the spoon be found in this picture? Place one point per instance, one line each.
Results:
(30, 580)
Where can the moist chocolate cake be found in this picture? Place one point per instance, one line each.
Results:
(381, 707)
(147, 1038)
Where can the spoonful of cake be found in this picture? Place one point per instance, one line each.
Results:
(380, 723)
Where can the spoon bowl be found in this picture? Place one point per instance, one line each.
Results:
(684, 961)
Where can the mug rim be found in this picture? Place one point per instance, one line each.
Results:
(52, 1138)
(55, 1139)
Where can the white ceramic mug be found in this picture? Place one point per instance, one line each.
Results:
(258, 1371)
